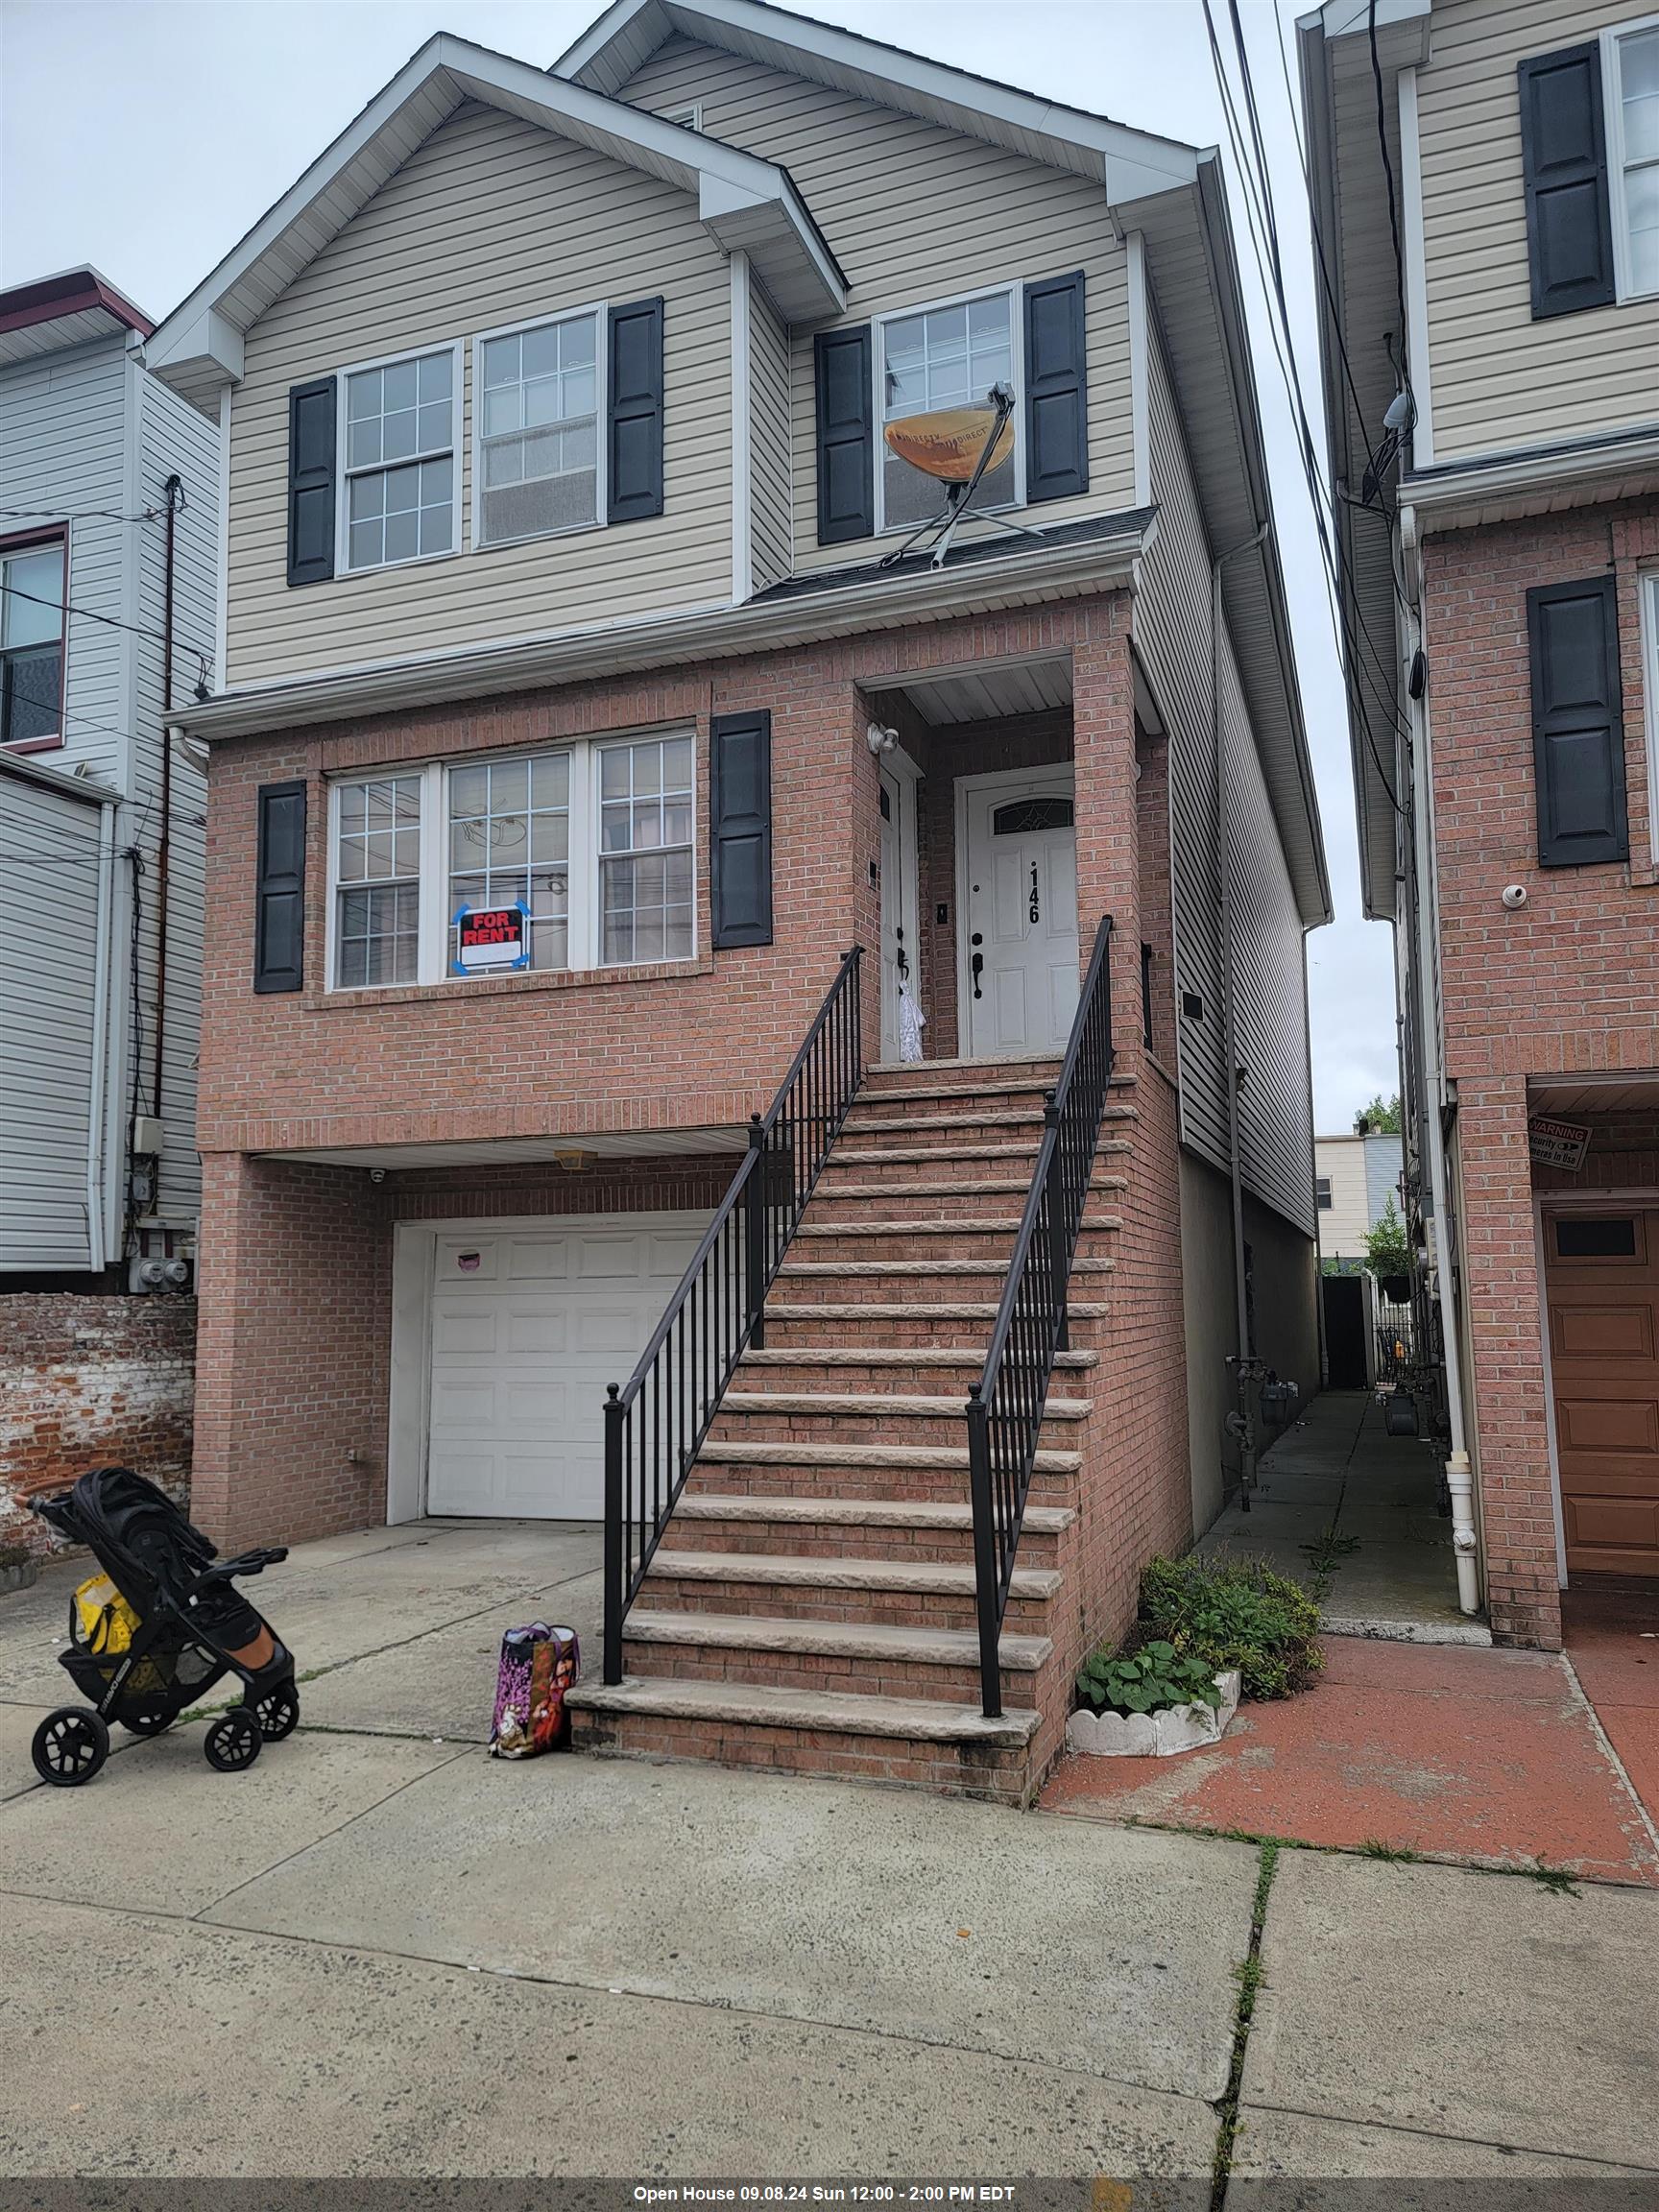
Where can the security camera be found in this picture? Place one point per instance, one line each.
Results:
(1514, 896)
(880, 740)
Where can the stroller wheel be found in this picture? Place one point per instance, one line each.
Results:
(278, 1713)
(69, 1746)
(142, 1724)
(233, 1741)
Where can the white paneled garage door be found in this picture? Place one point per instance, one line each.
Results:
(529, 1324)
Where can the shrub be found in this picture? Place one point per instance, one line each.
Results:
(1148, 1680)
(1235, 1612)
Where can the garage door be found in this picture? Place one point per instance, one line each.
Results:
(1602, 1272)
(528, 1327)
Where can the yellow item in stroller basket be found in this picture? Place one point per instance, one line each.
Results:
(104, 1620)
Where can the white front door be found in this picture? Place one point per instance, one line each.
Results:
(1019, 912)
(528, 1325)
(900, 927)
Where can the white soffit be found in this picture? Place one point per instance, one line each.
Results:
(1130, 163)
(743, 201)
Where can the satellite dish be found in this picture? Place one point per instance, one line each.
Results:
(950, 443)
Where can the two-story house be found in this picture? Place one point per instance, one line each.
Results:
(583, 707)
(1487, 196)
(108, 528)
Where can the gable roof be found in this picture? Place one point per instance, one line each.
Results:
(745, 203)
(67, 309)
(1130, 163)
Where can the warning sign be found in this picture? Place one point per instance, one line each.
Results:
(1557, 1143)
(492, 938)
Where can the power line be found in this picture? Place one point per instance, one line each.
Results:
(113, 623)
(78, 515)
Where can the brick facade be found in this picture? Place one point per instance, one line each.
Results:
(90, 1381)
(1563, 986)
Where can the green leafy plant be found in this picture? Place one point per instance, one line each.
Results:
(1237, 1613)
(1386, 1251)
(1147, 1680)
(1380, 1118)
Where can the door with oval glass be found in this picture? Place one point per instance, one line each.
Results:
(1016, 897)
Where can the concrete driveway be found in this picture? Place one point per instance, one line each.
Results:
(438, 1965)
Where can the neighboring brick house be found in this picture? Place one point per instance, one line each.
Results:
(1505, 613)
(560, 589)
(108, 526)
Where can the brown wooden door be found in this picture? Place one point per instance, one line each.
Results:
(1602, 1276)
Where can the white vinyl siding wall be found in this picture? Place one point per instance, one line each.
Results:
(52, 899)
(769, 439)
(174, 439)
(494, 221)
(1173, 633)
(1501, 380)
(917, 214)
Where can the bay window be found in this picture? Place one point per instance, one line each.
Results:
(585, 851)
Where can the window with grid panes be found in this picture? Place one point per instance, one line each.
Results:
(510, 841)
(377, 881)
(645, 894)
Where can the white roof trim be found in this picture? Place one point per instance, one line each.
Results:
(1130, 163)
(742, 200)
(873, 600)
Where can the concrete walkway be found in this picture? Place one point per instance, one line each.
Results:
(1350, 1511)
(379, 1953)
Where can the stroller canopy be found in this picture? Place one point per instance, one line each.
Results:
(142, 1539)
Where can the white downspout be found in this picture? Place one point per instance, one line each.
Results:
(1459, 1472)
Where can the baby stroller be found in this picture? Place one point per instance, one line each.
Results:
(169, 1628)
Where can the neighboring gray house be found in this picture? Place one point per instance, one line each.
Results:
(108, 507)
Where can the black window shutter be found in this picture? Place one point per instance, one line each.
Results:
(311, 481)
(846, 406)
(741, 829)
(634, 430)
(1564, 166)
(1577, 723)
(1056, 390)
(280, 889)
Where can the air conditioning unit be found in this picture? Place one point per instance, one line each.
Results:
(163, 1258)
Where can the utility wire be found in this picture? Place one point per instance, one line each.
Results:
(78, 515)
(111, 621)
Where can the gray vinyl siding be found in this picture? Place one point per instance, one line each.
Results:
(1275, 1108)
(769, 439)
(1172, 634)
(492, 222)
(1498, 380)
(51, 1095)
(63, 450)
(917, 214)
(173, 440)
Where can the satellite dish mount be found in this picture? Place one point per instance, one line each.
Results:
(955, 445)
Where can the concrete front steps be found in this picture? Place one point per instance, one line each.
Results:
(811, 1604)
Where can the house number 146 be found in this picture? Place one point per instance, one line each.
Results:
(1036, 908)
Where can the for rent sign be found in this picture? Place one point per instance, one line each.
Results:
(492, 938)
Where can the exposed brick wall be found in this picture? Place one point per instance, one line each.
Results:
(1564, 986)
(90, 1381)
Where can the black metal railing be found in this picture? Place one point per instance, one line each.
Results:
(655, 1426)
(1005, 1406)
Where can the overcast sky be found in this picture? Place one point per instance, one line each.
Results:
(147, 138)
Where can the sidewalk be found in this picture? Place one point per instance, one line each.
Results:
(432, 1964)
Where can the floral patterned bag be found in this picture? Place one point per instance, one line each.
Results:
(538, 1665)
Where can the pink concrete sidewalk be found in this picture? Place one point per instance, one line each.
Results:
(1485, 1756)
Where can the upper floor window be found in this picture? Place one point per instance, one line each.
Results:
(1322, 1192)
(32, 621)
(939, 357)
(573, 858)
(399, 458)
(538, 430)
(1634, 94)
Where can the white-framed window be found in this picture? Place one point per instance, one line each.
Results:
(1630, 97)
(948, 355)
(592, 843)
(1322, 1192)
(538, 461)
(400, 434)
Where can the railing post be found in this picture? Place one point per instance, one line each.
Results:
(615, 1550)
(985, 1577)
(1059, 1271)
(755, 1245)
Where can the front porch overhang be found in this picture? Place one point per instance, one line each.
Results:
(573, 1152)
